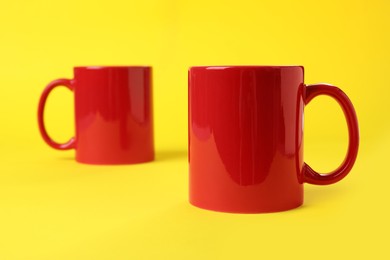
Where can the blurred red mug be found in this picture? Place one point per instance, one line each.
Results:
(113, 114)
(246, 137)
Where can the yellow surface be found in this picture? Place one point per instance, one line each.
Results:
(54, 208)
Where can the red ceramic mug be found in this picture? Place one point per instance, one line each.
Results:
(113, 114)
(246, 137)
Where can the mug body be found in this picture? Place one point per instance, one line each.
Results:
(246, 138)
(113, 113)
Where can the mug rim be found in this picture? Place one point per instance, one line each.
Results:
(98, 67)
(221, 67)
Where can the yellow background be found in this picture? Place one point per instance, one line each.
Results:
(54, 208)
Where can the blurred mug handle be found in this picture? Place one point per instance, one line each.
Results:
(41, 107)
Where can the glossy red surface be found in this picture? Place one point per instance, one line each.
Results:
(113, 115)
(246, 137)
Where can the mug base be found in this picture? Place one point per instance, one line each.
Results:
(112, 162)
(257, 210)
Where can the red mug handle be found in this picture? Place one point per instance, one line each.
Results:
(313, 177)
(41, 107)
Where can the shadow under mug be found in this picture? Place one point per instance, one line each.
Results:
(113, 114)
(246, 137)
